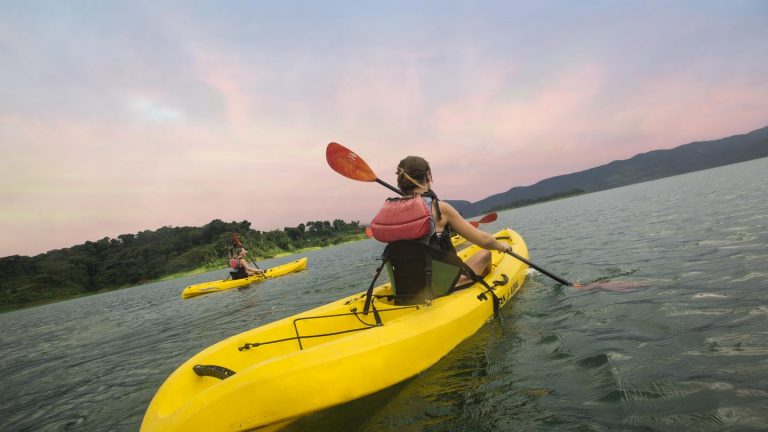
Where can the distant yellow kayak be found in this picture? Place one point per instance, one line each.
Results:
(266, 377)
(215, 286)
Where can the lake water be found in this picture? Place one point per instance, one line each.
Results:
(686, 350)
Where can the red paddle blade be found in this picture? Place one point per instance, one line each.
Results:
(236, 239)
(368, 232)
(490, 217)
(347, 163)
(474, 224)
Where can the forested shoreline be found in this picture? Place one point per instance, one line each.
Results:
(132, 259)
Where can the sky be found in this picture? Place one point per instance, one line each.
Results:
(120, 117)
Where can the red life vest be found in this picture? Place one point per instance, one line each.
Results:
(234, 263)
(408, 218)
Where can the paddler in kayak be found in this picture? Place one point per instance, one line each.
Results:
(421, 216)
(241, 267)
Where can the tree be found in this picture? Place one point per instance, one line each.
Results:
(131, 259)
(339, 225)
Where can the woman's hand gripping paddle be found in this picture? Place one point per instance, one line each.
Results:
(347, 163)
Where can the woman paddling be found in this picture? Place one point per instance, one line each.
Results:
(241, 267)
(414, 178)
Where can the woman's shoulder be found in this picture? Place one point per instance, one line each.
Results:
(445, 206)
(450, 212)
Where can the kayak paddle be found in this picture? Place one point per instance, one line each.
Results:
(490, 217)
(555, 277)
(347, 163)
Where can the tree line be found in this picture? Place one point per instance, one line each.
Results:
(131, 259)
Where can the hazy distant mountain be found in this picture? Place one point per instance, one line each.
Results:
(642, 167)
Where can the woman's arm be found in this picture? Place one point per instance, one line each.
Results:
(249, 269)
(466, 230)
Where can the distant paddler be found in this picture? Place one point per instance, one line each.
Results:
(241, 267)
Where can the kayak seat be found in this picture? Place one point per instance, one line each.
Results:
(419, 272)
(237, 275)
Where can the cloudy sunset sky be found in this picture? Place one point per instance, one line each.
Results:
(118, 117)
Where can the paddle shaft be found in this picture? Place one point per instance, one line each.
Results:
(389, 186)
(532, 265)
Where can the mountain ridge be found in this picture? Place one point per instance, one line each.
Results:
(652, 165)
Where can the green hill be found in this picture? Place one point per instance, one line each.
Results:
(132, 259)
(640, 168)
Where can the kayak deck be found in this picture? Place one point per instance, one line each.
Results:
(458, 240)
(307, 362)
(225, 284)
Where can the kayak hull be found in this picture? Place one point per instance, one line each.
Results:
(279, 377)
(221, 285)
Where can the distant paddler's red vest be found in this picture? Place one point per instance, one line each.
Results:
(239, 272)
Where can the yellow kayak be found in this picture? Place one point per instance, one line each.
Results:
(215, 286)
(265, 378)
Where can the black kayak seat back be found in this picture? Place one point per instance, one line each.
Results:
(419, 272)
